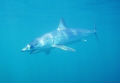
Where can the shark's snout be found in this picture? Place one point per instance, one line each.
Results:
(23, 50)
(27, 48)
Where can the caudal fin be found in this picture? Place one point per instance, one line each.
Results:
(96, 33)
(96, 37)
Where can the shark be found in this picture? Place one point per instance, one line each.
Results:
(59, 38)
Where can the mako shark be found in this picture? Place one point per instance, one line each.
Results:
(58, 38)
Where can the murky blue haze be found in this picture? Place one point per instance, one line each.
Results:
(23, 20)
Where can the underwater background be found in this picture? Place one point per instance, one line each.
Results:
(23, 20)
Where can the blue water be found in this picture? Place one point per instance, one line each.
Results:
(23, 20)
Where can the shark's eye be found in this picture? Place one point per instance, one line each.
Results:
(31, 47)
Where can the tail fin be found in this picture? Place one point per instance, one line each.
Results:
(96, 33)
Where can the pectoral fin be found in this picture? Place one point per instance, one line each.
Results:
(64, 48)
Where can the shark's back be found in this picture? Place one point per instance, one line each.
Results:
(69, 35)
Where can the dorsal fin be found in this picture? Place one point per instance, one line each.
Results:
(62, 24)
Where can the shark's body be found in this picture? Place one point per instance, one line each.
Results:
(58, 38)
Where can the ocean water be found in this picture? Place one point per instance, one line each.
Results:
(23, 20)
